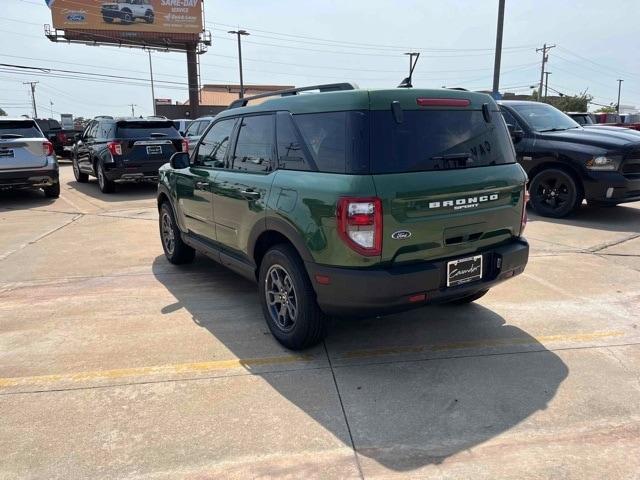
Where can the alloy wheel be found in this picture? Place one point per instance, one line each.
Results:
(282, 300)
(168, 237)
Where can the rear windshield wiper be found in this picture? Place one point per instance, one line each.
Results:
(158, 134)
(11, 135)
(453, 160)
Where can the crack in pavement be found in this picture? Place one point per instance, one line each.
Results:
(6, 255)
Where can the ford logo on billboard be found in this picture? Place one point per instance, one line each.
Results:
(76, 16)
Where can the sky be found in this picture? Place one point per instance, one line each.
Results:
(362, 41)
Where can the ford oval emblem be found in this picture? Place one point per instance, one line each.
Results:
(76, 17)
(401, 235)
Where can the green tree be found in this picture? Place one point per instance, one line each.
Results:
(3, 113)
(573, 103)
(608, 109)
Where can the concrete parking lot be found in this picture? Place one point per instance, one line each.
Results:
(116, 364)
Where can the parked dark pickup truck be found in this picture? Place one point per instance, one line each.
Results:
(58, 136)
(567, 163)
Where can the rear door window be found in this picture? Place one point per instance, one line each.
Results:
(21, 128)
(146, 129)
(254, 148)
(438, 140)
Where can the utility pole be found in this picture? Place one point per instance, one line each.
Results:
(133, 109)
(240, 33)
(546, 83)
(619, 90)
(498, 56)
(545, 58)
(408, 82)
(33, 97)
(153, 92)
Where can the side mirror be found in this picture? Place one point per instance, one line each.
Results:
(516, 133)
(77, 136)
(179, 160)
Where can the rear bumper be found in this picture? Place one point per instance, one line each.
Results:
(36, 178)
(612, 187)
(367, 291)
(132, 174)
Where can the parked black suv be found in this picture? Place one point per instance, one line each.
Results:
(567, 163)
(125, 150)
(58, 136)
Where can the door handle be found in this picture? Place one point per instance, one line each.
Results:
(250, 194)
(201, 185)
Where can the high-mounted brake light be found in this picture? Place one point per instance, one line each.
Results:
(115, 148)
(443, 102)
(47, 148)
(360, 224)
(185, 145)
(524, 218)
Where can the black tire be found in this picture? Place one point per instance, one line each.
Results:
(106, 185)
(308, 326)
(80, 176)
(149, 16)
(554, 193)
(176, 251)
(469, 298)
(53, 191)
(127, 17)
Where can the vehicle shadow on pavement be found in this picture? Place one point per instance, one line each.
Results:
(416, 387)
(125, 192)
(613, 219)
(24, 199)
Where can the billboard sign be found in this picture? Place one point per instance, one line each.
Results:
(128, 17)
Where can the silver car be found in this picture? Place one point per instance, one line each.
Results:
(27, 159)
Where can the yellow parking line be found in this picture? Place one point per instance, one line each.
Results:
(205, 367)
(183, 368)
(483, 343)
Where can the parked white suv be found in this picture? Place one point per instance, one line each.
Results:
(27, 159)
(128, 11)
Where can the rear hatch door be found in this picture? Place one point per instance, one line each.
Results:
(447, 175)
(21, 145)
(148, 144)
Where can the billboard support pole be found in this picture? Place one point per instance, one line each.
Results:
(192, 74)
(153, 91)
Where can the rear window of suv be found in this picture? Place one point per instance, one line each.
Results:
(438, 140)
(373, 142)
(146, 129)
(25, 129)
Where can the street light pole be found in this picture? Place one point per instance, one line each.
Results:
(240, 33)
(153, 92)
(619, 89)
(408, 82)
(496, 65)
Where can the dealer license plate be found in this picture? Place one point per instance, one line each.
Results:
(154, 150)
(464, 270)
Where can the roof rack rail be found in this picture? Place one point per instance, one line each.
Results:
(329, 87)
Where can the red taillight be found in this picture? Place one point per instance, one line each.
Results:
(360, 224)
(62, 137)
(443, 102)
(115, 148)
(525, 219)
(47, 148)
(185, 145)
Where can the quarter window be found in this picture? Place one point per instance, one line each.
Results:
(290, 150)
(214, 146)
(325, 135)
(254, 149)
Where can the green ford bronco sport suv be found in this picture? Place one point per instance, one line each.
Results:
(350, 201)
